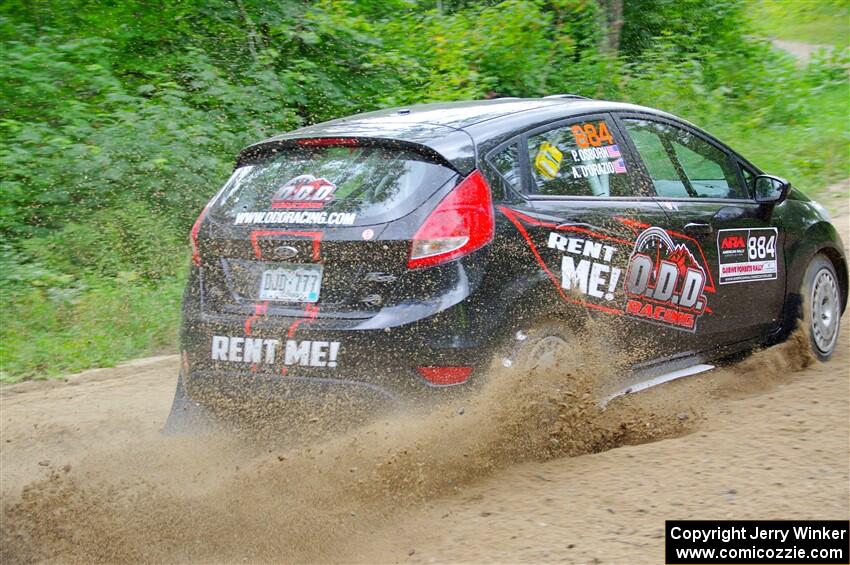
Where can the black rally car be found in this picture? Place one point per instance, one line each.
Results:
(399, 252)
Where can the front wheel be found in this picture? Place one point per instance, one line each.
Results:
(821, 306)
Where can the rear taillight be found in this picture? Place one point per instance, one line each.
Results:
(193, 238)
(443, 376)
(461, 223)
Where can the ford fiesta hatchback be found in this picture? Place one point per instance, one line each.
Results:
(395, 253)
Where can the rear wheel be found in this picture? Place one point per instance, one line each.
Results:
(821, 306)
(540, 348)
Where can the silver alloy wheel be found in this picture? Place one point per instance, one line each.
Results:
(825, 307)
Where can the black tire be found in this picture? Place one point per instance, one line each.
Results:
(186, 416)
(821, 306)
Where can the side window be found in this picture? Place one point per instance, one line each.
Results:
(665, 178)
(506, 161)
(749, 179)
(683, 165)
(579, 159)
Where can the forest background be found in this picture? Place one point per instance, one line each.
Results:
(121, 118)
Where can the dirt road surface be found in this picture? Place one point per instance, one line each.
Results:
(85, 475)
(801, 51)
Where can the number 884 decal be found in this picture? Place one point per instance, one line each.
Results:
(747, 255)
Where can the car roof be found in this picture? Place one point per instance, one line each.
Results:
(452, 114)
(456, 130)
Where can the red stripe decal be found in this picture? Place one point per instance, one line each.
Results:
(513, 214)
(310, 313)
(510, 215)
(261, 308)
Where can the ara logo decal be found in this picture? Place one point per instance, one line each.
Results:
(733, 242)
(305, 191)
(664, 282)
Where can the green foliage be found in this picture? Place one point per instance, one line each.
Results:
(119, 120)
(130, 242)
(513, 48)
(52, 331)
(823, 22)
(694, 26)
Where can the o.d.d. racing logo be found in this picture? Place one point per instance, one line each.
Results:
(305, 191)
(664, 283)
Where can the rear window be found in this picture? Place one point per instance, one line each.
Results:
(329, 185)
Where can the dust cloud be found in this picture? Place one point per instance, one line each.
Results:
(229, 497)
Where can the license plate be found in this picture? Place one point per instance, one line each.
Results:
(291, 283)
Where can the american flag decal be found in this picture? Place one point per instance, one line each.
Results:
(613, 151)
(619, 166)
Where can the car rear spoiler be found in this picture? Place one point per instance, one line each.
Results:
(451, 147)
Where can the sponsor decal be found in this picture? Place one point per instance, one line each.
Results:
(367, 234)
(652, 274)
(548, 160)
(293, 352)
(746, 255)
(302, 217)
(304, 191)
(586, 265)
(664, 283)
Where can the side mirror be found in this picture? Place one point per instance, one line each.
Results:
(770, 189)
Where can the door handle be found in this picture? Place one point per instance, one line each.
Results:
(699, 229)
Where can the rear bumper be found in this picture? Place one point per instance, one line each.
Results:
(269, 352)
(299, 358)
(221, 386)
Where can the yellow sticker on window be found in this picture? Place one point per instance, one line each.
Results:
(548, 160)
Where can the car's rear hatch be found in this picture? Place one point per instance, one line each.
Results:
(317, 226)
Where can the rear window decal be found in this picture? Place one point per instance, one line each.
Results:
(596, 153)
(304, 191)
(746, 255)
(597, 161)
(321, 218)
(379, 184)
